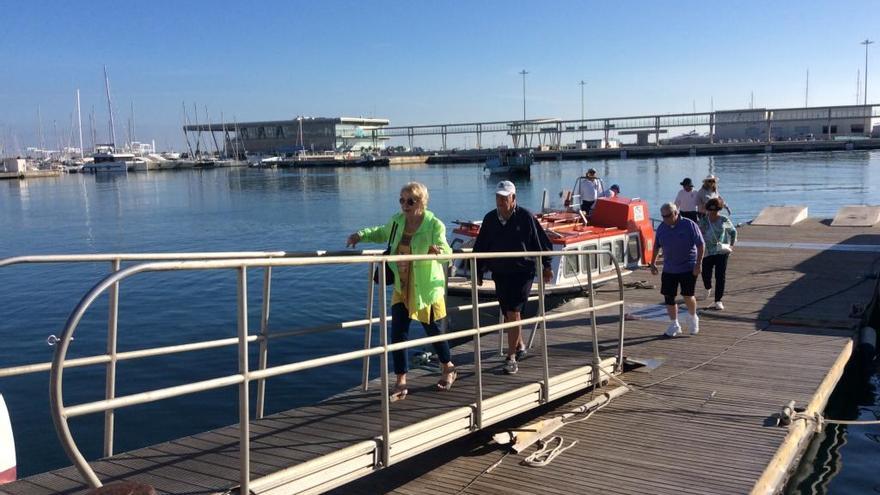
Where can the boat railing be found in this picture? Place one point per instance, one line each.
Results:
(208, 261)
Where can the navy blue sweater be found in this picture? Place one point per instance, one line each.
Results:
(520, 233)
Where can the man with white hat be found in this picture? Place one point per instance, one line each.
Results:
(510, 227)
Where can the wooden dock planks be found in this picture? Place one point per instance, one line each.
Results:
(696, 428)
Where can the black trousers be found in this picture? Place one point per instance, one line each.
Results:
(692, 215)
(587, 206)
(719, 263)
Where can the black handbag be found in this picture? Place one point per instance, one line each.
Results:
(389, 275)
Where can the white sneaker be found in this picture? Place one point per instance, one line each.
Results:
(674, 329)
(718, 305)
(693, 323)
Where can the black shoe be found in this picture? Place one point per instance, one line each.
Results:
(521, 353)
(510, 366)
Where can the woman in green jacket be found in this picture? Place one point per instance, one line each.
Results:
(419, 286)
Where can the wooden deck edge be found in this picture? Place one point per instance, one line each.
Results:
(800, 432)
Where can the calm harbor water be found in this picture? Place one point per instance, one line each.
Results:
(299, 210)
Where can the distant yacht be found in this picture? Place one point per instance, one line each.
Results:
(510, 161)
(110, 161)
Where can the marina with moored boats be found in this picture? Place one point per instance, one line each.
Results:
(207, 296)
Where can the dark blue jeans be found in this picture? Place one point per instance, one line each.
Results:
(400, 333)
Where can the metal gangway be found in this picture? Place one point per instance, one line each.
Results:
(387, 446)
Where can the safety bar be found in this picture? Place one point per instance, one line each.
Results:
(112, 358)
(60, 413)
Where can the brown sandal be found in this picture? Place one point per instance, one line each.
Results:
(445, 384)
(398, 393)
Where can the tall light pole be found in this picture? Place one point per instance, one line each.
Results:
(582, 83)
(866, 43)
(523, 74)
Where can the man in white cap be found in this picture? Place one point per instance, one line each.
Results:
(512, 228)
(590, 188)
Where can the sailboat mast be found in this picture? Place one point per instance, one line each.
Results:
(225, 137)
(40, 126)
(213, 137)
(80, 127)
(132, 131)
(199, 134)
(110, 109)
(243, 150)
(186, 134)
(93, 132)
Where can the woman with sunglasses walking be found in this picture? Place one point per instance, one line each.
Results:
(708, 191)
(419, 286)
(720, 236)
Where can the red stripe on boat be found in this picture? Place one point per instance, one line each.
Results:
(8, 475)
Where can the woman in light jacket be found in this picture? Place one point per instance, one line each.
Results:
(419, 286)
(720, 236)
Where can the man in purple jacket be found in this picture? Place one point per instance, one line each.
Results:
(682, 244)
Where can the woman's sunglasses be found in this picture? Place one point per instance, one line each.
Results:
(713, 209)
(409, 201)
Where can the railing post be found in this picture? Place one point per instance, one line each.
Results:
(110, 380)
(622, 316)
(368, 329)
(264, 341)
(383, 339)
(545, 392)
(597, 361)
(478, 368)
(500, 332)
(243, 403)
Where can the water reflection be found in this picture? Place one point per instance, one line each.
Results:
(297, 210)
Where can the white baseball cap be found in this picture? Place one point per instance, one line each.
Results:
(505, 188)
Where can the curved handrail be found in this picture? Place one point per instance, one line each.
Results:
(210, 255)
(60, 413)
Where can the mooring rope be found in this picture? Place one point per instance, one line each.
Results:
(821, 420)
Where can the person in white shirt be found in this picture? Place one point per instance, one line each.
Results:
(686, 200)
(591, 188)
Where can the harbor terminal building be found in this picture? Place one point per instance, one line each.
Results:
(785, 124)
(278, 137)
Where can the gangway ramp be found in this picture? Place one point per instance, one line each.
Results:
(321, 446)
(315, 448)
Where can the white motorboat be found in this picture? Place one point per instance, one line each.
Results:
(510, 161)
(619, 225)
(111, 162)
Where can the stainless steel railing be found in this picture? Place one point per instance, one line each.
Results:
(245, 375)
(112, 357)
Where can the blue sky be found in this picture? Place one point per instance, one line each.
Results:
(420, 62)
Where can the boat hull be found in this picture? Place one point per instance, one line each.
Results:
(7, 446)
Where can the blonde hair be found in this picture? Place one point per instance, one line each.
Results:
(419, 192)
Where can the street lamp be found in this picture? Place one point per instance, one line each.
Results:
(582, 83)
(866, 43)
(523, 74)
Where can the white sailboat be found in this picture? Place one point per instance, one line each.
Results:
(106, 157)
